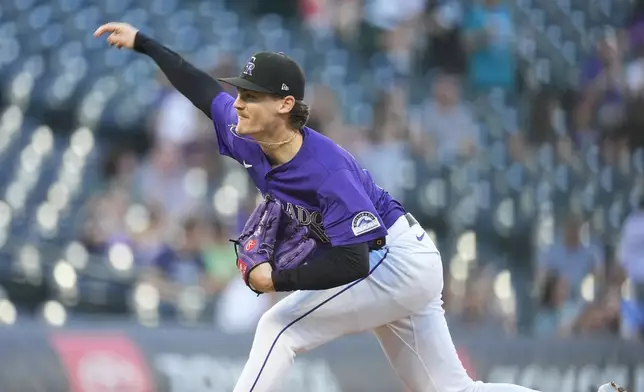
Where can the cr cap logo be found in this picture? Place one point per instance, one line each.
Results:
(250, 66)
(364, 222)
(250, 245)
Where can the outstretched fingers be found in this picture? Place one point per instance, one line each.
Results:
(111, 27)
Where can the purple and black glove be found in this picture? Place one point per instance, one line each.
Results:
(294, 245)
(256, 244)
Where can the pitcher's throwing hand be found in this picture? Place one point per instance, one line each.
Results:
(120, 35)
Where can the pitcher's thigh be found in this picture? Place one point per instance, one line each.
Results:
(311, 318)
(420, 349)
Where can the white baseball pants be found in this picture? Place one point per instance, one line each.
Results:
(400, 301)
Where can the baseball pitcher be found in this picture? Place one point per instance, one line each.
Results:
(353, 258)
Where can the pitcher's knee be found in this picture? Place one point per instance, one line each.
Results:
(274, 329)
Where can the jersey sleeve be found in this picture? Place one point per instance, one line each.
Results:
(224, 119)
(348, 214)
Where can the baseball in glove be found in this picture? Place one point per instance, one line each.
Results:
(256, 244)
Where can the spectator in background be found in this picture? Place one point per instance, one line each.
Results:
(490, 42)
(161, 180)
(446, 122)
(325, 110)
(172, 269)
(600, 111)
(635, 26)
(601, 317)
(340, 20)
(479, 312)
(557, 315)
(387, 150)
(444, 50)
(635, 73)
(631, 250)
(634, 116)
(316, 15)
(387, 15)
(631, 319)
(631, 132)
(103, 219)
(350, 28)
(91, 235)
(546, 118)
(150, 236)
(119, 168)
(287, 9)
(572, 259)
(175, 119)
(394, 28)
(630, 257)
(219, 255)
(518, 149)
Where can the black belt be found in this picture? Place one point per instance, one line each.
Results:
(378, 243)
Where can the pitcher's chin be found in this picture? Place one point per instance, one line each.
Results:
(244, 129)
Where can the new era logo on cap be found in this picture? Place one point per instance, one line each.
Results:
(273, 73)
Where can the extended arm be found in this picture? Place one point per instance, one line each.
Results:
(193, 83)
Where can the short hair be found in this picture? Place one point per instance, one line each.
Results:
(299, 115)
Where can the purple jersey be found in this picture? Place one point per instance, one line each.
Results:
(323, 186)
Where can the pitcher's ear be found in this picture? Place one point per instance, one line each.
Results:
(286, 105)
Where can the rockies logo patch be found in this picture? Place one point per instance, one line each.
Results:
(364, 222)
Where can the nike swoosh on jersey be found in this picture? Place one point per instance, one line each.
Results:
(246, 165)
(420, 237)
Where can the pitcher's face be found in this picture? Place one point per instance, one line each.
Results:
(257, 112)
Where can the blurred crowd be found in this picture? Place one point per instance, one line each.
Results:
(152, 198)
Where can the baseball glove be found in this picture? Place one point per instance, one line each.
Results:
(256, 243)
(294, 245)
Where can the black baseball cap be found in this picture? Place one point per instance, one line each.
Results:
(273, 73)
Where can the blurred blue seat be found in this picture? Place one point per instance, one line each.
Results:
(69, 6)
(115, 7)
(51, 36)
(164, 7)
(21, 6)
